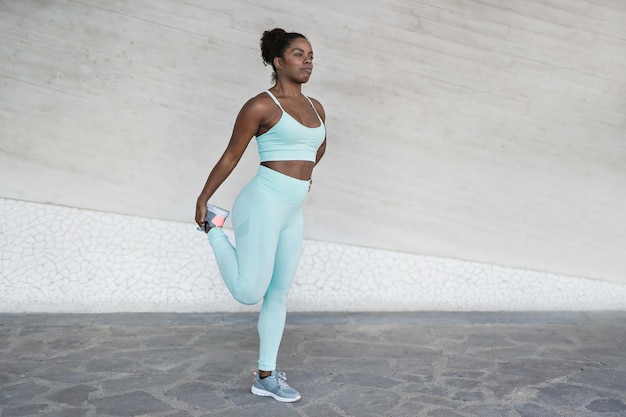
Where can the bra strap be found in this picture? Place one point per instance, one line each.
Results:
(314, 109)
(274, 98)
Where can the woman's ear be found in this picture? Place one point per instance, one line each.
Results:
(278, 62)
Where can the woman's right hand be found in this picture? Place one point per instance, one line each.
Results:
(200, 212)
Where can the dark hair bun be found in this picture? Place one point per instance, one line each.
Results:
(274, 43)
(270, 44)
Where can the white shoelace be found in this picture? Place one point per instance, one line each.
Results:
(282, 380)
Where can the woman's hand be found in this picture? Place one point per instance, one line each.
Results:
(200, 212)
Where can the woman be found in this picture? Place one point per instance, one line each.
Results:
(267, 214)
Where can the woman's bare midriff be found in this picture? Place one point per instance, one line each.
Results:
(295, 169)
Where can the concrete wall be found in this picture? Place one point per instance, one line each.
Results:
(461, 131)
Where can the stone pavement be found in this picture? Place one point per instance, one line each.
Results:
(344, 364)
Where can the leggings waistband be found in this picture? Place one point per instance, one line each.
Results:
(281, 186)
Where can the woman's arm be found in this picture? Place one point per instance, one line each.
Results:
(320, 152)
(246, 126)
(322, 149)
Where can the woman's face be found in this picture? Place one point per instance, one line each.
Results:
(297, 61)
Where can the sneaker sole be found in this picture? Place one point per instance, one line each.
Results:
(218, 210)
(263, 393)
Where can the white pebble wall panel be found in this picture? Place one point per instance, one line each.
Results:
(59, 259)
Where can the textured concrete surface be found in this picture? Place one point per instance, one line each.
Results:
(409, 364)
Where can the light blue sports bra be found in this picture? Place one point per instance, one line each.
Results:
(290, 140)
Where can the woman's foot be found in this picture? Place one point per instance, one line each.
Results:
(215, 217)
(275, 386)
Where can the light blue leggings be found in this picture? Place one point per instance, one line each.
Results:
(267, 220)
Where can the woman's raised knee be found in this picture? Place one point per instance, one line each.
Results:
(248, 298)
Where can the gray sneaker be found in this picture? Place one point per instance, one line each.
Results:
(215, 217)
(275, 386)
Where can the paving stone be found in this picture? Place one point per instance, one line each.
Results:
(124, 382)
(18, 366)
(365, 401)
(533, 410)
(376, 366)
(528, 371)
(21, 393)
(483, 410)
(152, 360)
(32, 348)
(427, 389)
(363, 350)
(115, 365)
(488, 338)
(606, 406)
(169, 340)
(417, 379)
(505, 354)
(320, 320)
(67, 412)
(75, 396)
(462, 363)
(467, 396)
(223, 369)
(406, 409)
(443, 412)
(177, 414)
(417, 370)
(239, 396)
(199, 394)
(614, 379)
(4, 379)
(324, 410)
(264, 407)
(365, 380)
(65, 375)
(25, 410)
(65, 343)
(312, 391)
(462, 383)
(130, 404)
(569, 397)
(96, 349)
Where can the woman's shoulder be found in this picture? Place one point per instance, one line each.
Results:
(259, 103)
(262, 98)
(318, 106)
(315, 101)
